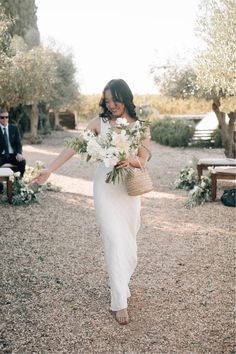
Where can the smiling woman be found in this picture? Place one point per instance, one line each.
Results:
(118, 213)
(117, 98)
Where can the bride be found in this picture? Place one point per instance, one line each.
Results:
(117, 213)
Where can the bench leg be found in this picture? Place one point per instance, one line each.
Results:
(213, 186)
(199, 171)
(9, 190)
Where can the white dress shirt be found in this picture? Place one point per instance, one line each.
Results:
(11, 151)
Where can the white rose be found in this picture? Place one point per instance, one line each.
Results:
(121, 141)
(110, 161)
(138, 124)
(87, 135)
(122, 121)
(39, 164)
(94, 149)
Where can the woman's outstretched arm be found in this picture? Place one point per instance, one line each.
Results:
(43, 175)
(66, 154)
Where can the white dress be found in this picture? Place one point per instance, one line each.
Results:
(118, 216)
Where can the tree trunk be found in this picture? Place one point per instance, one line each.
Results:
(57, 125)
(34, 122)
(76, 120)
(56, 122)
(231, 132)
(47, 125)
(226, 130)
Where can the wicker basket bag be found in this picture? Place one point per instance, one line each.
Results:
(138, 181)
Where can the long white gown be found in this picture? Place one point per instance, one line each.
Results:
(118, 216)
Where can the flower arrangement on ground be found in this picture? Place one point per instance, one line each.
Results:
(187, 178)
(201, 192)
(120, 141)
(199, 189)
(22, 192)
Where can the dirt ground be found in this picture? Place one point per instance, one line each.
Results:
(54, 296)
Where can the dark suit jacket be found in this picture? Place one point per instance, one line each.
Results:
(14, 137)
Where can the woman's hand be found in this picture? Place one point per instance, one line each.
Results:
(129, 162)
(41, 178)
(123, 164)
(137, 162)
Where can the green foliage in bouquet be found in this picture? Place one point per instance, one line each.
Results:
(120, 141)
(78, 144)
(136, 136)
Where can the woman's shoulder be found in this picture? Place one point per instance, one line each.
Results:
(95, 120)
(94, 124)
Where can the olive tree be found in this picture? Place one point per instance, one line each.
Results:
(24, 16)
(215, 66)
(5, 38)
(174, 80)
(66, 89)
(29, 78)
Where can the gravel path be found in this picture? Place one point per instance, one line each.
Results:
(54, 297)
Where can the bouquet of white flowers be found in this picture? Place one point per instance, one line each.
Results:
(120, 141)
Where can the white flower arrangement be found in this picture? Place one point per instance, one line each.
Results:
(199, 190)
(22, 192)
(187, 178)
(119, 142)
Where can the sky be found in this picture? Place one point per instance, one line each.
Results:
(119, 38)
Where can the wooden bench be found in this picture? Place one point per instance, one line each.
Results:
(5, 174)
(203, 164)
(11, 166)
(203, 135)
(222, 172)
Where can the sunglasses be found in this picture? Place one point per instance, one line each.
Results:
(2, 117)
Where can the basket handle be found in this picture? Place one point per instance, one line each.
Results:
(146, 160)
(141, 168)
(149, 152)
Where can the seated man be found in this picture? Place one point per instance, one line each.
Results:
(10, 144)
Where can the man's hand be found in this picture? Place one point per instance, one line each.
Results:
(20, 157)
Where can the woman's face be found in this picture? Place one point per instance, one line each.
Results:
(116, 108)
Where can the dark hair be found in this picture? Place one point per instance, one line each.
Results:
(120, 93)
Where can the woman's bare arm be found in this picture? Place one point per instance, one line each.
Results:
(65, 155)
(43, 175)
(94, 125)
